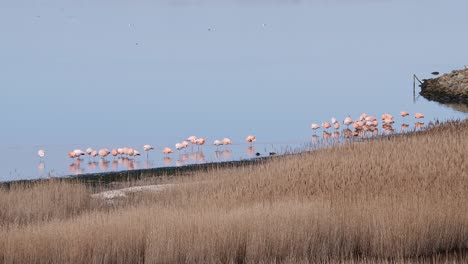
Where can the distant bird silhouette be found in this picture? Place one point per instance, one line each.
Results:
(435, 73)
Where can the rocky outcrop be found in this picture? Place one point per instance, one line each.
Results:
(448, 88)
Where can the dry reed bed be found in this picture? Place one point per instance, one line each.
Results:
(392, 199)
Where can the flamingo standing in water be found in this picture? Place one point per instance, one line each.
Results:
(179, 146)
(88, 151)
(103, 153)
(147, 149)
(315, 126)
(334, 121)
(185, 143)
(226, 141)
(418, 116)
(94, 153)
(251, 139)
(130, 152)
(363, 117)
(41, 154)
(347, 121)
(192, 140)
(167, 151)
(336, 126)
(404, 113)
(387, 116)
(326, 125)
(200, 142)
(72, 155)
(78, 153)
(114, 153)
(217, 143)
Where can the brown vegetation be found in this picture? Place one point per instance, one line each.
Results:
(393, 199)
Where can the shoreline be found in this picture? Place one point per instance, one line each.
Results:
(94, 179)
(447, 88)
(139, 174)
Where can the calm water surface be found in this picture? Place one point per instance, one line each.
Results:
(78, 74)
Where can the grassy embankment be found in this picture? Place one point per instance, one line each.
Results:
(401, 198)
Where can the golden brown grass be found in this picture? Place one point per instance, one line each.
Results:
(394, 199)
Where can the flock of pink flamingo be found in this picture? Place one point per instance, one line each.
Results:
(131, 152)
(363, 125)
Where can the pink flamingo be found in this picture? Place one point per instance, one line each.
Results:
(347, 121)
(192, 140)
(326, 125)
(336, 126)
(226, 141)
(418, 116)
(217, 143)
(363, 117)
(114, 153)
(41, 154)
(94, 153)
(147, 149)
(179, 146)
(185, 143)
(167, 151)
(315, 127)
(251, 139)
(387, 116)
(103, 153)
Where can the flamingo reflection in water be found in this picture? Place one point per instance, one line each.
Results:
(315, 138)
(115, 165)
(404, 127)
(226, 154)
(418, 125)
(41, 167)
(75, 167)
(251, 151)
(336, 135)
(223, 155)
(197, 157)
(130, 165)
(92, 166)
(148, 164)
(182, 160)
(103, 164)
(167, 161)
(347, 133)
